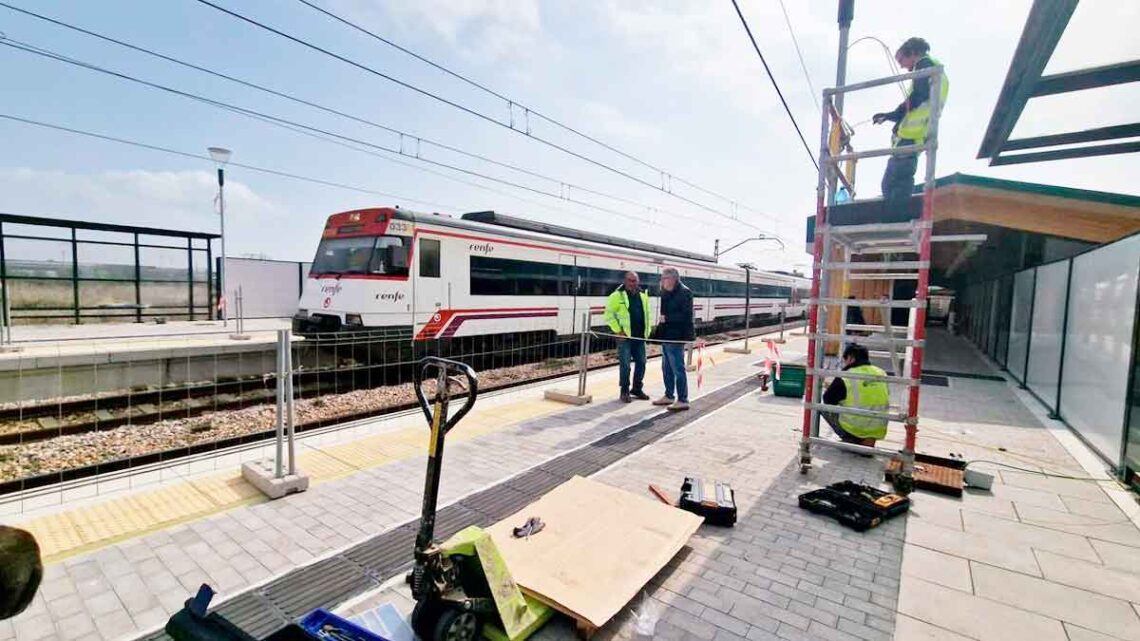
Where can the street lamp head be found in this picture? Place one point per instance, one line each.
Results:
(221, 155)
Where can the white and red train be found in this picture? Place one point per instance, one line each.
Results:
(432, 277)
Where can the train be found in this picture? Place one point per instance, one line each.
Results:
(435, 278)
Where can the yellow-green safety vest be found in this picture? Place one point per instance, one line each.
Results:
(617, 312)
(865, 395)
(916, 122)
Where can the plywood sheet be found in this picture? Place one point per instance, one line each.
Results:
(601, 545)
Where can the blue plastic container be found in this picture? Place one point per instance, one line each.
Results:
(319, 618)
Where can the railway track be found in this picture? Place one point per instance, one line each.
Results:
(44, 421)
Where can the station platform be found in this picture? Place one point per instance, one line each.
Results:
(52, 361)
(1036, 558)
(27, 335)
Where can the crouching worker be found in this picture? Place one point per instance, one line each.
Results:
(859, 394)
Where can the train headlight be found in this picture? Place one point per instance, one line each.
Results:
(353, 319)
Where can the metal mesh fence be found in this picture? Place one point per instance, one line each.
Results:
(144, 410)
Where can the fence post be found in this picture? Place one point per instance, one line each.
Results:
(783, 320)
(269, 474)
(689, 367)
(6, 321)
(290, 414)
(280, 414)
(581, 397)
(239, 307)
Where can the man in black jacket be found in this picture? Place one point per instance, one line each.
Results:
(675, 330)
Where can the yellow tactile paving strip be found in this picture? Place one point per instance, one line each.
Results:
(70, 532)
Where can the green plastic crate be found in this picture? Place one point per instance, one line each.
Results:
(791, 381)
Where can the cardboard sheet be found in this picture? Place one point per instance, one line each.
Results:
(600, 547)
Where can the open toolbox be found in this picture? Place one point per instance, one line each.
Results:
(859, 507)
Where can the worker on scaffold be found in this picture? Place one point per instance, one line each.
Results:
(860, 394)
(912, 122)
(627, 315)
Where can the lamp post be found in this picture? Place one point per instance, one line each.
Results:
(221, 155)
(747, 267)
(717, 252)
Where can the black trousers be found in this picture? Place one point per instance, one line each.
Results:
(898, 179)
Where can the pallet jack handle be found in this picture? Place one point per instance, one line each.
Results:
(446, 372)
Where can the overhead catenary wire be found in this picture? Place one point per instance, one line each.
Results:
(186, 154)
(359, 119)
(322, 134)
(800, 55)
(775, 85)
(512, 103)
(461, 107)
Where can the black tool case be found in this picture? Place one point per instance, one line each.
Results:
(715, 501)
(859, 507)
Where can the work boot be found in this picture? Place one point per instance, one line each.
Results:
(639, 395)
(625, 398)
(679, 406)
(664, 400)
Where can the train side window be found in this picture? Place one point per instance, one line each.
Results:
(429, 258)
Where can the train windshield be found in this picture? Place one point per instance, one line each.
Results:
(377, 255)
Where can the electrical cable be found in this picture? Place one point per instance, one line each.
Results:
(294, 126)
(799, 54)
(186, 154)
(1039, 472)
(465, 109)
(891, 62)
(330, 110)
(511, 103)
(775, 85)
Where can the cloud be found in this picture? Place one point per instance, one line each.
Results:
(609, 121)
(488, 30)
(180, 200)
(704, 43)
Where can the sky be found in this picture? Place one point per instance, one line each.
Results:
(673, 83)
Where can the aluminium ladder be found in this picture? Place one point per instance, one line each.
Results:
(899, 251)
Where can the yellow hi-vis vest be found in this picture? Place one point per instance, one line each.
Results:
(617, 317)
(916, 122)
(865, 395)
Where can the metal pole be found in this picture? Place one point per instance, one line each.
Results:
(747, 305)
(289, 400)
(584, 346)
(846, 14)
(222, 214)
(783, 316)
(280, 401)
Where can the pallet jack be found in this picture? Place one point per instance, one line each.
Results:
(462, 587)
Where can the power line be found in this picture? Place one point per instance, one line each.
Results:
(800, 55)
(294, 126)
(461, 107)
(776, 85)
(359, 119)
(512, 103)
(186, 154)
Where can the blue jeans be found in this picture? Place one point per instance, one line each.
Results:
(673, 371)
(630, 349)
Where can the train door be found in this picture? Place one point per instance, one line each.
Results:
(429, 290)
(569, 286)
